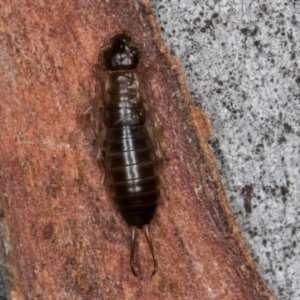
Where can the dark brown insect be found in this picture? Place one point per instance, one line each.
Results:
(127, 136)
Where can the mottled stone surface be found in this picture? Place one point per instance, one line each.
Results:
(242, 62)
(62, 237)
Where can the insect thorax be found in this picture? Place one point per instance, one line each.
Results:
(123, 102)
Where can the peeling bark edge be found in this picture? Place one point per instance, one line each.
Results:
(200, 121)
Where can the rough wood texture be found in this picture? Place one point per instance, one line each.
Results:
(63, 237)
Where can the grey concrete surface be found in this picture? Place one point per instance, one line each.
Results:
(242, 60)
(3, 294)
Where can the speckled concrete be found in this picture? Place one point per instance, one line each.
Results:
(3, 294)
(242, 60)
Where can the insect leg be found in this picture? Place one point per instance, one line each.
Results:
(161, 147)
(96, 116)
(149, 107)
(97, 106)
(82, 122)
(164, 187)
(84, 116)
(100, 152)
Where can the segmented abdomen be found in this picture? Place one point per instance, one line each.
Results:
(129, 155)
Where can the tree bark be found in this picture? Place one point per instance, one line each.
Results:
(63, 237)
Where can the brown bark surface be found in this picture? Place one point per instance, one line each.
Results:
(63, 237)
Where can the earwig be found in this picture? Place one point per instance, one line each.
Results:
(127, 139)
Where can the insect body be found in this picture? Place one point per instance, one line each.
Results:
(129, 153)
